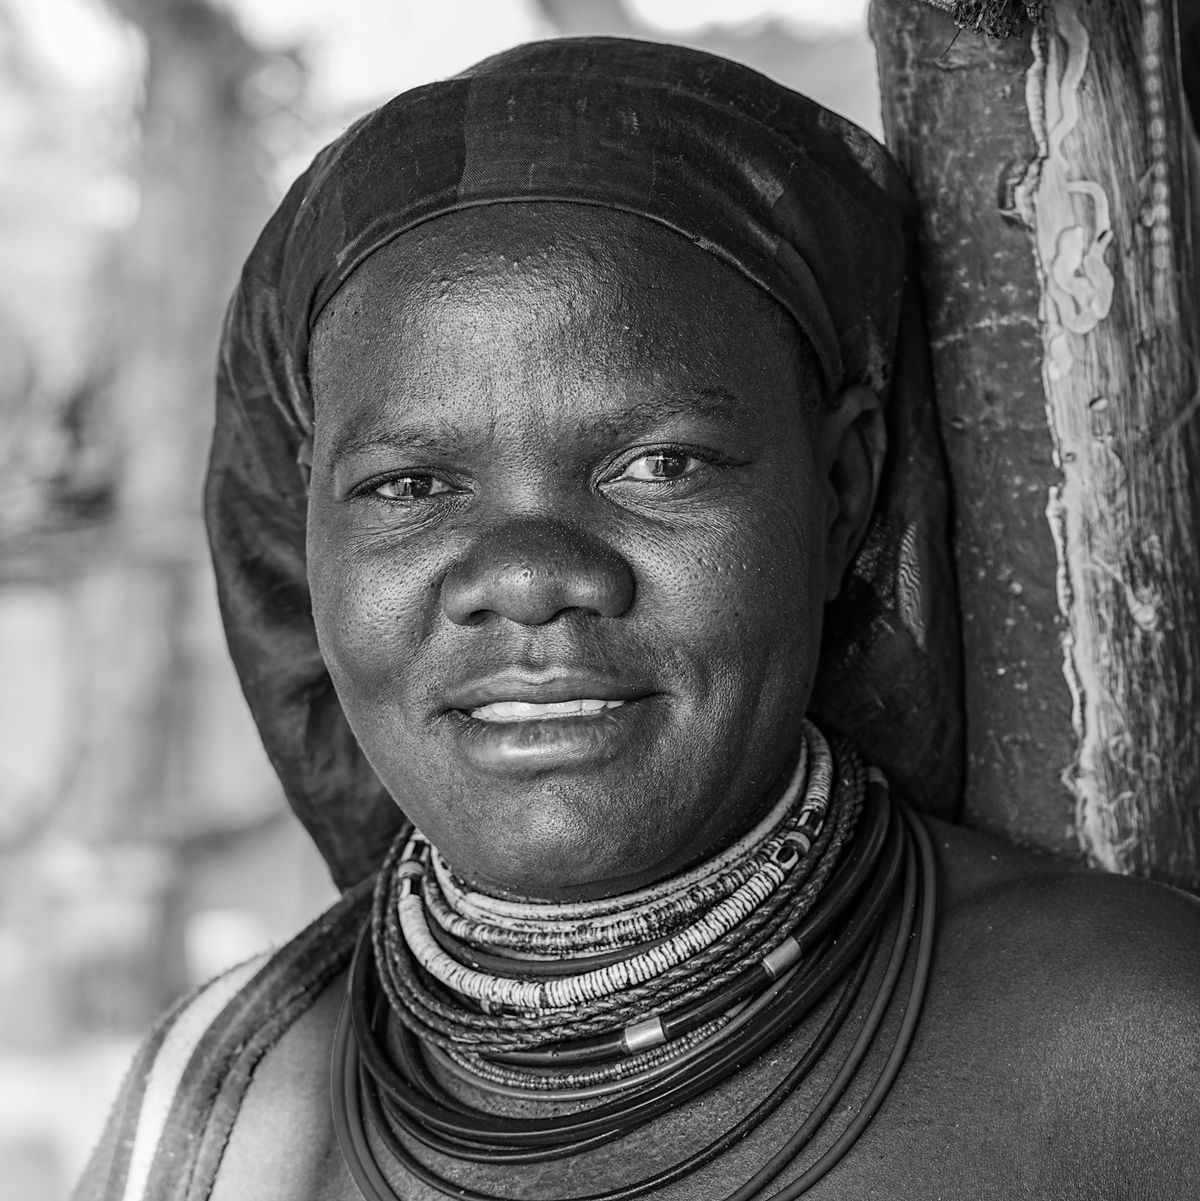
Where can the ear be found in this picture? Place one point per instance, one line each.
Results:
(853, 438)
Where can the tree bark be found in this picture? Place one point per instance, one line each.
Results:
(1059, 279)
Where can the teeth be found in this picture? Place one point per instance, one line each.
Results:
(529, 711)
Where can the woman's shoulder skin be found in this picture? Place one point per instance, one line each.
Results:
(1059, 936)
(1058, 1053)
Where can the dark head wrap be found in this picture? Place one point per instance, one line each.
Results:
(805, 204)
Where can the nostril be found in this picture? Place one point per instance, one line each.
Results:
(531, 571)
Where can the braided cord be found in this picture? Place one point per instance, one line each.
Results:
(434, 1014)
(443, 1020)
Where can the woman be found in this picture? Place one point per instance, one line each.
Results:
(573, 444)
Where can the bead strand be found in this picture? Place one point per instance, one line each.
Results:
(765, 929)
(448, 1024)
(569, 991)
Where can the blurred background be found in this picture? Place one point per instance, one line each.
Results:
(144, 842)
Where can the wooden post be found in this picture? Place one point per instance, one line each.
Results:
(1060, 282)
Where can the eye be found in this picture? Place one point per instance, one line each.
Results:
(660, 465)
(415, 486)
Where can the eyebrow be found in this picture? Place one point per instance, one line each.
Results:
(437, 437)
(712, 403)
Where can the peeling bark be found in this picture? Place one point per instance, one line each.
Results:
(1052, 172)
(954, 115)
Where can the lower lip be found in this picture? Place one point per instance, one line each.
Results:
(546, 743)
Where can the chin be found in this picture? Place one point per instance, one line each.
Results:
(551, 851)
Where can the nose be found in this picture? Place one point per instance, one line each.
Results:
(531, 570)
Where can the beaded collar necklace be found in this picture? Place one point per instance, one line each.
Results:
(630, 1006)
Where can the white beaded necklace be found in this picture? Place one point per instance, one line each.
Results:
(671, 921)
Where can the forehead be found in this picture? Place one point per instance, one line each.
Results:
(547, 288)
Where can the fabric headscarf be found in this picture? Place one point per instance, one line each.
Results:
(806, 205)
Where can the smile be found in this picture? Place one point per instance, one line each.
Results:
(510, 711)
(571, 733)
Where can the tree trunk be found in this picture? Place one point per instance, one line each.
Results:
(143, 646)
(202, 199)
(1059, 279)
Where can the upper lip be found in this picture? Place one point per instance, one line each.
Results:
(540, 689)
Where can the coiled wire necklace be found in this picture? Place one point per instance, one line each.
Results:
(631, 1006)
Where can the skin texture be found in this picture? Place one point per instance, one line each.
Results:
(1057, 1055)
(495, 394)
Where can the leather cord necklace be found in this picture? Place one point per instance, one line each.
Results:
(391, 1089)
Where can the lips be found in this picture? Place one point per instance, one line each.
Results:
(506, 711)
(541, 692)
(520, 721)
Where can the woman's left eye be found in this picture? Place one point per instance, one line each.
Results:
(416, 486)
(660, 465)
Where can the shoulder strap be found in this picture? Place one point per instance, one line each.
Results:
(181, 1096)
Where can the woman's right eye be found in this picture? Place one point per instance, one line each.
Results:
(413, 486)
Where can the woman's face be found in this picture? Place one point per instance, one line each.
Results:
(576, 507)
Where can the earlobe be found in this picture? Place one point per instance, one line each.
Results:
(855, 444)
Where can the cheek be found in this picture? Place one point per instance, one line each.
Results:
(367, 611)
(746, 590)
(788, 585)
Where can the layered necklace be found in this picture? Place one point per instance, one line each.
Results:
(626, 1008)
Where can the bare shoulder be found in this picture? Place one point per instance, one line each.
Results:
(1070, 998)
(1134, 940)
